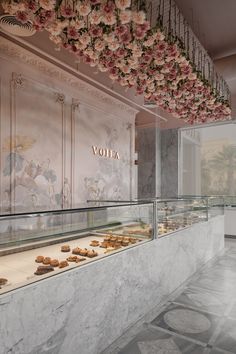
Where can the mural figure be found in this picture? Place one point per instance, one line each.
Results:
(34, 180)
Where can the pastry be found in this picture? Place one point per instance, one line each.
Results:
(117, 245)
(113, 238)
(80, 259)
(43, 270)
(65, 248)
(39, 259)
(63, 264)
(94, 243)
(92, 254)
(109, 249)
(104, 244)
(83, 252)
(46, 260)
(132, 240)
(54, 263)
(76, 250)
(107, 238)
(125, 243)
(3, 281)
(72, 258)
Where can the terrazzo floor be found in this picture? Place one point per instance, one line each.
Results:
(199, 320)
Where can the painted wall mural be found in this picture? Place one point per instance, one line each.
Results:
(47, 135)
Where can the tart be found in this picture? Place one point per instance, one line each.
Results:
(46, 260)
(3, 281)
(39, 259)
(63, 264)
(54, 263)
(94, 243)
(43, 270)
(92, 254)
(83, 252)
(72, 258)
(65, 248)
(80, 259)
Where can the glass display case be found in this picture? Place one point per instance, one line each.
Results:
(40, 244)
(176, 214)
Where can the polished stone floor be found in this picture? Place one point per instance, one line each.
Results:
(200, 319)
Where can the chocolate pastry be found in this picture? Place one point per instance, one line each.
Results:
(39, 259)
(76, 250)
(47, 260)
(54, 263)
(72, 258)
(63, 264)
(83, 252)
(92, 254)
(65, 248)
(94, 243)
(43, 270)
(80, 259)
(3, 281)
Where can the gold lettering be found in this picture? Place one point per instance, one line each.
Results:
(105, 152)
(117, 156)
(95, 150)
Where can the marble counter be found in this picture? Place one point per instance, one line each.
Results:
(84, 309)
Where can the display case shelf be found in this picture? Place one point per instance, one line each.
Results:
(38, 245)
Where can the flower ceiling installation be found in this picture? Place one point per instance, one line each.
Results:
(116, 37)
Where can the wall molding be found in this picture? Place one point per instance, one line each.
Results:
(10, 49)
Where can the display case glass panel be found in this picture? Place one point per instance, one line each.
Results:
(37, 245)
(176, 214)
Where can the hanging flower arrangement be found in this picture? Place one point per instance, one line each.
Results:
(116, 37)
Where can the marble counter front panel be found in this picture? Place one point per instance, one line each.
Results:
(85, 309)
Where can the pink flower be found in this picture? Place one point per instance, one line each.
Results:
(47, 4)
(22, 16)
(31, 5)
(119, 30)
(95, 17)
(84, 39)
(159, 36)
(72, 33)
(122, 4)
(121, 52)
(109, 19)
(113, 46)
(83, 8)
(139, 33)
(67, 11)
(95, 31)
(108, 7)
(138, 17)
(99, 45)
(125, 16)
(125, 38)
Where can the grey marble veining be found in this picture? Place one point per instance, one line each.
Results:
(84, 310)
(169, 163)
(149, 162)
